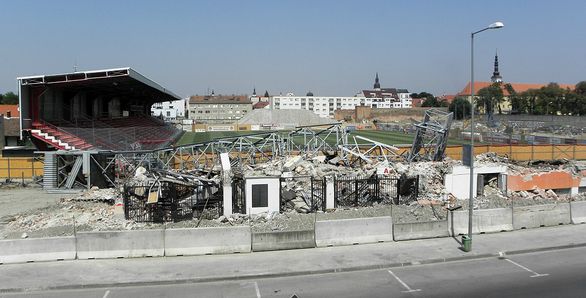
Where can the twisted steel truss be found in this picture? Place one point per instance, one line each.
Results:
(250, 149)
(431, 137)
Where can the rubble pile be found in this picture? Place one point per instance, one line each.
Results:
(491, 158)
(431, 177)
(69, 213)
(96, 194)
(563, 130)
(94, 209)
(315, 167)
(298, 174)
(537, 196)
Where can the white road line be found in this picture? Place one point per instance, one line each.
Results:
(409, 290)
(106, 294)
(535, 274)
(257, 290)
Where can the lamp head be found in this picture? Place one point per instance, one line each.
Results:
(496, 25)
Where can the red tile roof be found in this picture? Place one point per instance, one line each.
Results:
(13, 109)
(260, 104)
(519, 87)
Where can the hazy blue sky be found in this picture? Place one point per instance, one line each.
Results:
(328, 47)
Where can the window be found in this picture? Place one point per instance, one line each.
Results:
(260, 196)
(168, 114)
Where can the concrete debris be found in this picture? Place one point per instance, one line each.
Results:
(95, 210)
(291, 163)
(140, 174)
(60, 219)
(98, 195)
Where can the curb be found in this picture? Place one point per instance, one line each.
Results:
(295, 273)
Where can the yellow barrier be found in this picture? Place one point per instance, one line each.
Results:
(20, 167)
(525, 152)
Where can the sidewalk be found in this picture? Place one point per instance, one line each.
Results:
(96, 273)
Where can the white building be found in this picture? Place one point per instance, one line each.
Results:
(169, 110)
(324, 106)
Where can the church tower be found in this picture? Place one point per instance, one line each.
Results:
(496, 76)
(376, 82)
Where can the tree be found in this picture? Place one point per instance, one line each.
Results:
(577, 99)
(429, 100)
(460, 106)
(580, 88)
(9, 98)
(551, 99)
(518, 103)
(421, 95)
(530, 98)
(577, 103)
(489, 97)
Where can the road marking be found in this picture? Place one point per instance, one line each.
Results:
(106, 294)
(257, 290)
(409, 290)
(535, 274)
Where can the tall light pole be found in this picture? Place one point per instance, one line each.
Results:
(495, 25)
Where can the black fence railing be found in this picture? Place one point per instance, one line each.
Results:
(407, 189)
(303, 193)
(169, 202)
(238, 196)
(365, 191)
(318, 195)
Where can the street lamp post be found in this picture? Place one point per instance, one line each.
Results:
(495, 25)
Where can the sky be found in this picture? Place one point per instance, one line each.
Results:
(332, 48)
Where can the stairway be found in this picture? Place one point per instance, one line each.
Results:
(60, 139)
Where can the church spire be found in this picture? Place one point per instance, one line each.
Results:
(376, 82)
(496, 76)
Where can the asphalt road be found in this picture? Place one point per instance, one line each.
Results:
(560, 273)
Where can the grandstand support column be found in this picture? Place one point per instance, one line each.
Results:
(58, 108)
(226, 183)
(227, 196)
(97, 104)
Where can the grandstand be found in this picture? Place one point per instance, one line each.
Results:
(94, 110)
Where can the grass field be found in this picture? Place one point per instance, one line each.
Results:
(387, 137)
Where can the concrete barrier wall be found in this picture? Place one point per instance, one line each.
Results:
(483, 221)
(41, 249)
(120, 244)
(527, 217)
(353, 231)
(283, 240)
(420, 230)
(207, 241)
(578, 212)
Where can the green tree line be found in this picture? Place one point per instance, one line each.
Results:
(8, 98)
(547, 100)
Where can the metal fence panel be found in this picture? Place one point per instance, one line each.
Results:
(168, 202)
(365, 191)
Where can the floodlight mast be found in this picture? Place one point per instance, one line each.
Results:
(495, 25)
